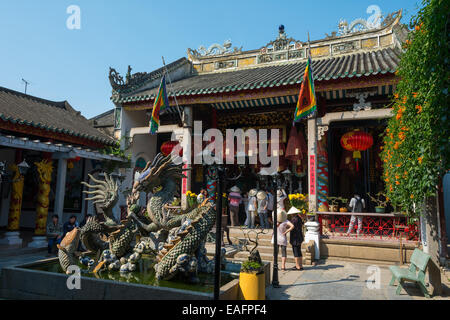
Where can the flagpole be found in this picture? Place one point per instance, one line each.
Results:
(174, 95)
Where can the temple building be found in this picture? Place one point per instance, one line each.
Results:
(46, 149)
(230, 88)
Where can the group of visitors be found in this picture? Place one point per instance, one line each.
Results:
(57, 231)
(257, 204)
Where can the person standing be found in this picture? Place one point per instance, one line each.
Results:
(270, 204)
(281, 196)
(284, 226)
(251, 209)
(357, 204)
(54, 233)
(235, 199)
(262, 209)
(296, 237)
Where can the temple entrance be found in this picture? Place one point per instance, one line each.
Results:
(355, 172)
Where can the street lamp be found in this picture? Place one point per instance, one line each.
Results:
(23, 167)
(287, 174)
(275, 184)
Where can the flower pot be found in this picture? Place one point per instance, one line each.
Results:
(333, 207)
(252, 286)
(380, 209)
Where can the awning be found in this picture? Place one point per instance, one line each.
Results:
(69, 150)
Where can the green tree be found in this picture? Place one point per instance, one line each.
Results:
(417, 140)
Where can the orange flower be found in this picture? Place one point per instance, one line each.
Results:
(396, 96)
(420, 159)
(396, 145)
(412, 196)
(417, 28)
(419, 108)
(397, 183)
(401, 135)
(414, 94)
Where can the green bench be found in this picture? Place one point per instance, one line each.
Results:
(419, 262)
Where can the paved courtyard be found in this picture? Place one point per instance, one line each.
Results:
(341, 280)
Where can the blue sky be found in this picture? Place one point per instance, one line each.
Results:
(64, 64)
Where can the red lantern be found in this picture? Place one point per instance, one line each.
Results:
(167, 147)
(356, 141)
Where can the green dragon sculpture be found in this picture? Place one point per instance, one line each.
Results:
(175, 237)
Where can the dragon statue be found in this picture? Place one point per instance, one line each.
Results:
(44, 169)
(175, 238)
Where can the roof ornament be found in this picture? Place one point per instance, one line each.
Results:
(117, 81)
(214, 50)
(282, 42)
(358, 25)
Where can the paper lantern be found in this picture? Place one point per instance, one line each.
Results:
(167, 147)
(356, 141)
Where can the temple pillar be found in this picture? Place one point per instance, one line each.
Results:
(15, 205)
(312, 232)
(188, 120)
(40, 241)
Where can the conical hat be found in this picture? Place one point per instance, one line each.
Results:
(252, 192)
(293, 210)
(261, 195)
(235, 189)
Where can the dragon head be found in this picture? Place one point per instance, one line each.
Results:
(157, 173)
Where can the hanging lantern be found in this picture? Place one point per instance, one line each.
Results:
(167, 147)
(356, 141)
(294, 147)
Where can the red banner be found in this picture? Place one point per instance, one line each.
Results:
(312, 175)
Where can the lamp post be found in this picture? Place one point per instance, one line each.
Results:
(275, 182)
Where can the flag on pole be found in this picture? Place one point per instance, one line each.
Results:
(306, 104)
(161, 103)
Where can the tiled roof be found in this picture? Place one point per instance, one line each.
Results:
(60, 117)
(359, 64)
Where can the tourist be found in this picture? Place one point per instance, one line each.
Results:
(54, 233)
(251, 209)
(357, 205)
(283, 227)
(281, 196)
(296, 236)
(70, 225)
(262, 209)
(235, 199)
(270, 203)
(202, 196)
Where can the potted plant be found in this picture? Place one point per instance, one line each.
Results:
(252, 278)
(334, 203)
(381, 200)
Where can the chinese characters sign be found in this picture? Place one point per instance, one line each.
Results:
(312, 175)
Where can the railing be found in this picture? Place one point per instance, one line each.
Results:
(375, 226)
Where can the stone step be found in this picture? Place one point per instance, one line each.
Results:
(243, 255)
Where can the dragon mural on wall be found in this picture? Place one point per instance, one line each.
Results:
(174, 237)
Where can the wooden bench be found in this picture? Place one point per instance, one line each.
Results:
(419, 262)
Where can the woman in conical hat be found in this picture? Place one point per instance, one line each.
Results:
(283, 227)
(296, 236)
